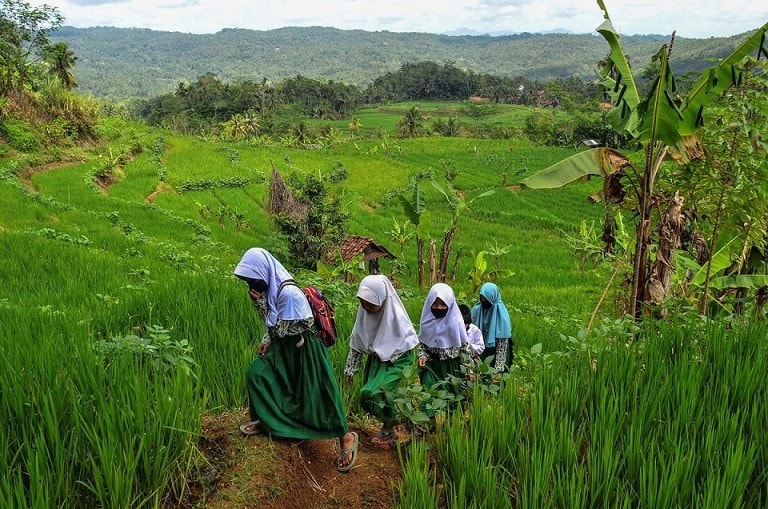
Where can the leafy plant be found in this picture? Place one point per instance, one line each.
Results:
(155, 346)
(480, 273)
(664, 124)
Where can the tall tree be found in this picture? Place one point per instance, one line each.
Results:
(411, 123)
(61, 60)
(24, 33)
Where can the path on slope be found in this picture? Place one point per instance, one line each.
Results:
(271, 473)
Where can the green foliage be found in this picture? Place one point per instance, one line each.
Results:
(551, 128)
(246, 110)
(25, 30)
(110, 55)
(661, 123)
(198, 185)
(480, 273)
(324, 225)
(416, 405)
(338, 173)
(19, 135)
(727, 187)
(155, 347)
(115, 263)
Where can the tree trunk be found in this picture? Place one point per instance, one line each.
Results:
(670, 228)
(639, 263)
(643, 239)
(432, 265)
(761, 297)
(445, 253)
(455, 265)
(420, 260)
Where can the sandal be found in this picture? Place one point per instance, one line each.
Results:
(343, 454)
(385, 439)
(251, 428)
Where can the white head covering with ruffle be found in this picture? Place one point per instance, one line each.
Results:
(445, 332)
(387, 333)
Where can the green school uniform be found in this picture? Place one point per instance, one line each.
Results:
(381, 376)
(293, 392)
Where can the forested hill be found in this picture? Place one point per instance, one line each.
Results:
(124, 63)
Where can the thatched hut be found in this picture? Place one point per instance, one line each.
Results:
(355, 245)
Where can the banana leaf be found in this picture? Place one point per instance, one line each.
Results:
(596, 161)
(717, 79)
(415, 207)
(620, 85)
(658, 115)
(721, 260)
(750, 281)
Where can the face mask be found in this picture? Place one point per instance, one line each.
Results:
(486, 305)
(258, 285)
(439, 313)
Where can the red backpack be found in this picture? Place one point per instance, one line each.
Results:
(322, 312)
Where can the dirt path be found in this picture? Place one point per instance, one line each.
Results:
(259, 472)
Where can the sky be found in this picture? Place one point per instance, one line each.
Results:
(688, 18)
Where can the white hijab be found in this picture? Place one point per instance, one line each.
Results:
(387, 333)
(290, 304)
(445, 332)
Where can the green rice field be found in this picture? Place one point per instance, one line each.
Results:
(121, 325)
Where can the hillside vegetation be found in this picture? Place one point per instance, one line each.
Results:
(124, 335)
(123, 63)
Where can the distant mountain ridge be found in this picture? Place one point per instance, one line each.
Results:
(469, 31)
(129, 63)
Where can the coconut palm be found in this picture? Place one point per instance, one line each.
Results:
(61, 60)
(411, 123)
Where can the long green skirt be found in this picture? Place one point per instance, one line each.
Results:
(437, 371)
(380, 378)
(293, 391)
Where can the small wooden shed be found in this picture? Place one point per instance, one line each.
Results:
(354, 245)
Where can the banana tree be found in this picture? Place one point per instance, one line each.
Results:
(413, 209)
(664, 124)
(458, 203)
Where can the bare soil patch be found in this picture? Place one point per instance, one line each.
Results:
(271, 473)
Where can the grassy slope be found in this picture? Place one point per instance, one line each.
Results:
(82, 266)
(531, 222)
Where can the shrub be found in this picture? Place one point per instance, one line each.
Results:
(19, 135)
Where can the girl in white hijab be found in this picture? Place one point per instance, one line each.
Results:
(292, 391)
(442, 336)
(384, 332)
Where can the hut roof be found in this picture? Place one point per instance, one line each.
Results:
(354, 245)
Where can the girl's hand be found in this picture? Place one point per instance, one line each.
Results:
(422, 362)
(262, 349)
(349, 379)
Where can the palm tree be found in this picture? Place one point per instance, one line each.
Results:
(235, 127)
(61, 60)
(412, 122)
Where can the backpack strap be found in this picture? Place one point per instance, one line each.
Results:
(285, 283)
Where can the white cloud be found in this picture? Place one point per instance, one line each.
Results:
(703, 18)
